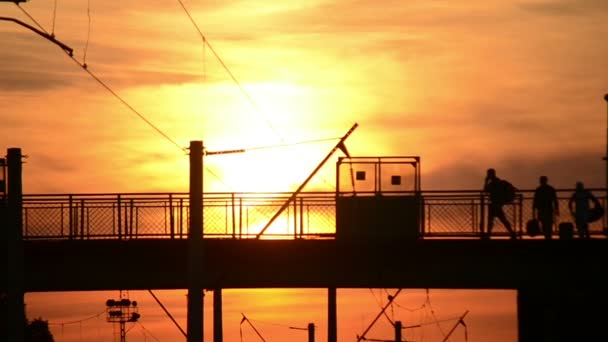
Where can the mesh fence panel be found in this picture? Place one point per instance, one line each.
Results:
(246, 215)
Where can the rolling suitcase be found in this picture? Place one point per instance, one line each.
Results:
(566, 230)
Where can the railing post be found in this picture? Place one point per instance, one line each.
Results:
(82, 219)
(70, 216)
(181, 217)
(482, 214)
(61, 219)
(171, 218)
(233, 216)
(521, 213)
(131, 218)
(302, 217)
(240, 217)
(119, 217)
(295, 219)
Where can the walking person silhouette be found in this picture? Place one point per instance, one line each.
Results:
(497, 190)
(579, 208)
(545, 206)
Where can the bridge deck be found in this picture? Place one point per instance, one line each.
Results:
(454, 264)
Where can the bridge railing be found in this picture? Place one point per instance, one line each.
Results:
(464, 213)
(242, 215)
(166, 215)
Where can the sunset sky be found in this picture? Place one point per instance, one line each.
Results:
(514, 85)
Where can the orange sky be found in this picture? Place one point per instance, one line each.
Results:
(515, 85)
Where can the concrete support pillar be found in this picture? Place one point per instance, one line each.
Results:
(195, 245)
(332, 315)
(562, 314)
(13, 234)
(218, 325)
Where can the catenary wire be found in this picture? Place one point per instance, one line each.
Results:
(242, 89)
(110, 90)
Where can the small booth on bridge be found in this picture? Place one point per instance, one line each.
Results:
(378, 198)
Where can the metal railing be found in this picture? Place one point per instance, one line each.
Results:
(242, 215)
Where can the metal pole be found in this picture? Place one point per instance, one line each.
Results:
(14, 239)
(390, 301)
(332, 315)
(398, 328)
(218, 334)
(340, 145)
(606, 159)
(195, 244)
(311, 332)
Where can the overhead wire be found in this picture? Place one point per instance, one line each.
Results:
(234, 79)
(86, 45)
(79, 320)
(84, 66)
(107, 87)
(381, 305)
(428, 301)
(148, 331)
(54, 17)
(242, 89)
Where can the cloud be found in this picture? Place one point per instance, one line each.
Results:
(567, 7)
(563, 171)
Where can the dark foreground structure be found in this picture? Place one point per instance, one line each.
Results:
(561, 288)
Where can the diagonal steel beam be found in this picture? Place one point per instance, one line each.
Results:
(340, 145)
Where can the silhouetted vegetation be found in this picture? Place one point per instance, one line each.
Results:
(38, 331)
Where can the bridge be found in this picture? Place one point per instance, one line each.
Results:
(404, 239)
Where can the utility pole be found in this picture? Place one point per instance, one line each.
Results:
(398, 328)
(195, 245)
(311, 332)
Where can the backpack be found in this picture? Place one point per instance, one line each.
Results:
(509, 191)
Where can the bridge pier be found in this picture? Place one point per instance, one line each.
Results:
(218, 330)
(562, 314)
(195, 245)
(12, 247)
(332, 315)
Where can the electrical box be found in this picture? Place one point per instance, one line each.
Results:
(378, 198)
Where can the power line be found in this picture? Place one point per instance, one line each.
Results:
(54, 17)
(107, 87)
(78, 321)
(428, 300)
(244, 92)
(86, 45)
(146, 331)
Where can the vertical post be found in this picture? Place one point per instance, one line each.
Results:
(311, 332)
(195, 244)
(606, 159)
(482, 215)
(218, 329)
(14, 239)
(398, 328)
(332, 315)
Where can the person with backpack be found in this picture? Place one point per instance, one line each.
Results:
(500, 193)
(580, 209)
(545, 206)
